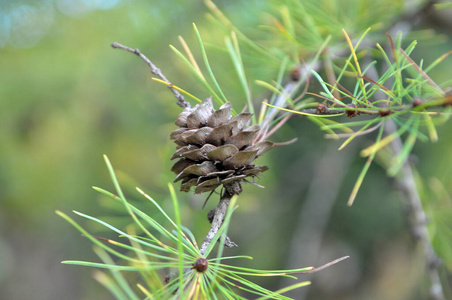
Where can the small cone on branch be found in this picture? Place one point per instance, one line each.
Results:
(215, 148)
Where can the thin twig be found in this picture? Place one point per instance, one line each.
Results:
(327, 265)
(422, 72)
(220, 212)
(156, 71)
(315, 111)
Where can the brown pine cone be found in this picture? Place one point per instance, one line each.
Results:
(215, 148)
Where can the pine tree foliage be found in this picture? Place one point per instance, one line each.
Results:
(345, 75)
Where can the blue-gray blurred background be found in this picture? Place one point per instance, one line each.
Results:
(67, 98)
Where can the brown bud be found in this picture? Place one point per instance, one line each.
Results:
(295, 74)
(351, 113)
(200, 265)
(321, 108)
(384, 112)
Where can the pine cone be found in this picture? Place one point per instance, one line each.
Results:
(215, 148)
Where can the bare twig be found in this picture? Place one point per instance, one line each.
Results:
(315, 111)
(327, 265)
(156, 71)
(227, 241)
(219, 214)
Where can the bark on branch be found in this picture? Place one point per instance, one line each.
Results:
(156, 71)
(218, 218)
(418, 219)
(407, 184)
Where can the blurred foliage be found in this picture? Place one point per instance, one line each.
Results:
(67, 98)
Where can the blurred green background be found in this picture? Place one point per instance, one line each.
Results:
(67, 98)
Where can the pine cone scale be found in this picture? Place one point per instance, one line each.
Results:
(183, 150)
(200, 116)
(220, 116)
(197, 169)
(240, 159)
(222, 152)
(219, 134)
(198, 137)
(243, 138)
(261, 147)
(180, 165)
(241, 119)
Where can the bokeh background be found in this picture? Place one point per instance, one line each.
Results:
(67, 98)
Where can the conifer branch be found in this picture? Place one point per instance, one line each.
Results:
(407, 184)
(405, 180)
(418, 219)
(156, 71)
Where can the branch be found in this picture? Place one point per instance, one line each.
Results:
(327, 265)
(418, 217)
(156, 71)
(406, 179)
(218, 217)
(210, 216)
(418, 105)
(406, 183)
